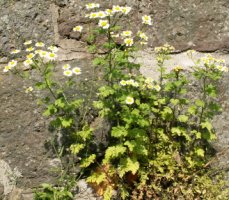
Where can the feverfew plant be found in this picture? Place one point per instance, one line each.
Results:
(159, 143)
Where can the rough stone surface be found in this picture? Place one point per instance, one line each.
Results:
(195, 24)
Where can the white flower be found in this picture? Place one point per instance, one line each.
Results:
(30, 56)
(78, 28)
(114, 35)
(92, 5)
(142, 36)
(15, 51)
(157, 87)
(116, 9)
(146, 20)
(123, 82)
(28, 42)
(126, 33)
(76, 70)
(53, 49)
(66, 66)
(128, 41)
(93, 15)
(125, 10)
(135, 84)
(29, 49)
(104, 24)
(67, 72)
(28, 62)
(38, 51)
(39, 44)
(109, 12)
(222, 68)
(148, 80)
(130, 82)
(12, 63)
(51, 56)
(29, 89)
(102, 14)
(6, 68)
(129, 100)
(43, 54)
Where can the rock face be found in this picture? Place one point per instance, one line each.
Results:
(202, 25)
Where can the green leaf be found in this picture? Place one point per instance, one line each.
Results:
(206, 125)
(60, 103)
(40, 85)
(85, 134)
(75, 148)
(166, 113)
(200, 103)
(183, 118)
(97, 178)
(192, 109)
(199, 152)
(108, 193)
(114, 152)
(128, 165)
(88, 161)
(50, 110)
(174, 101)
(66, 122)
(119, 131)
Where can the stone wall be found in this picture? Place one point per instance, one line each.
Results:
(202, 25)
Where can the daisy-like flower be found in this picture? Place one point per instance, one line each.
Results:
(30, 56)
(43, 54)
(38, 51)
(114, 35)
(76, 70)
(116, 9)
(104, 24)
(53, 49)
(6, 68)
(66, 66)
(12, 63)
(67, 72)
(28, 42)
(222, 68)
(78, 28)
(130, 82)
(15, 51)
(28, 90)
(109, 12)
(146, 20)
(128, 41)
(51, 56)
(142, 36)
(125, 10)
(135, 84)
(29, 49)
(157, 87)
(178, 68)
(123, 82)
(92, 5)
(129, 100)
(148, 80)
(39, 44)
(93, 15)
(126, 33)
(149, 86)
(28, 62)
(102, 14)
